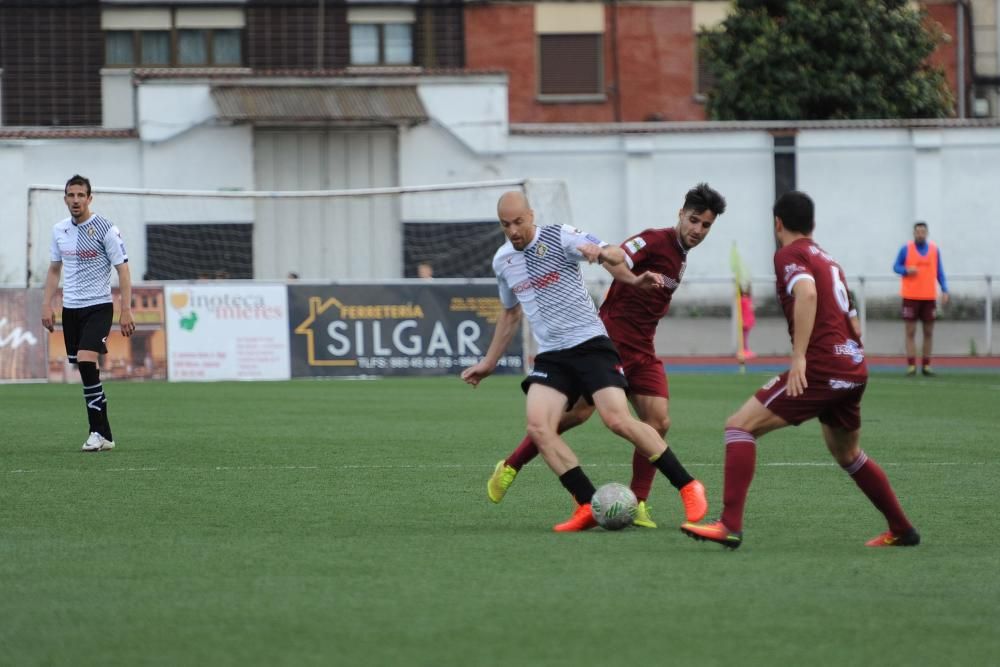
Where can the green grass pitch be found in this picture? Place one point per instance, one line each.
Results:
(346, 523)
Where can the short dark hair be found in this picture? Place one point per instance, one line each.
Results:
(919, 223)
(702, 198)
(797, 212)
(77, 179)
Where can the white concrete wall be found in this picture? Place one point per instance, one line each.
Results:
(167, 108)
(474, 110)
(117, 100)
(869, 185)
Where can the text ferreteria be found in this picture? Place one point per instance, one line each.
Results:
(404, 311)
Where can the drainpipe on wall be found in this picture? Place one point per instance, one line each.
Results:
(320, 22)
(614, 61)
(961, 58)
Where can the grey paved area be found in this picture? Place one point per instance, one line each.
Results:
(715, 336)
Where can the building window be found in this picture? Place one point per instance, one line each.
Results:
(570, 65)
(158, 37)
(365, 44)
(119, 48)
(227, 47)
(570, 38)
(155, 47)
(707, 17)
(381, 35)
(381, 44)
(191, 47)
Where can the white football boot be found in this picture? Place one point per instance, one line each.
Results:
(97, 443)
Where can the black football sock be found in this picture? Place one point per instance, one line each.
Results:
(578, 484)
(668, 464)
(97, 402)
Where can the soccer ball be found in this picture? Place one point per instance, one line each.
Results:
(614, 506)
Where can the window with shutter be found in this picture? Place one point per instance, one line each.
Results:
(570, 65)
(172, 36)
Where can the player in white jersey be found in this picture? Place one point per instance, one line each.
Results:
(88, 246)
(538, 273)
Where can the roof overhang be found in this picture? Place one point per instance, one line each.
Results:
(351, 105)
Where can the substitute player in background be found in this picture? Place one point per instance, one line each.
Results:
(538, 272)
(919, 264)
(827, 379)
(631, 316)
(88, 246)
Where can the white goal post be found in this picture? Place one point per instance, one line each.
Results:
(365, 234)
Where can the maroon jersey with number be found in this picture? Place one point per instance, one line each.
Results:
(834, 353)
(633, 312)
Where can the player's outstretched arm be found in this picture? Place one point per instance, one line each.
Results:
(623, 274)
(609, 255)
(507, 326)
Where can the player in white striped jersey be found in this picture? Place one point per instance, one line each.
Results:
(88, 246)
(538, 274)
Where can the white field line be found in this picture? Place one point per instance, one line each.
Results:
(453, 466)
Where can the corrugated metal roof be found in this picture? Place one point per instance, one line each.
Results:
(345, 72)
(748, 126)
(66, 133)
(379, 104)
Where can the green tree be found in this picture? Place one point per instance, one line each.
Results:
(824, 59)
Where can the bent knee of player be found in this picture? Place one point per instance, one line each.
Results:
(738, 422)
(540, 432)
(844, 445)
(86, 355)
(660, 423)
(754, 418)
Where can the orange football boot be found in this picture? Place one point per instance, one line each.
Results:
(582, 519)
(910, 538)
(715, 531)
(695, 503)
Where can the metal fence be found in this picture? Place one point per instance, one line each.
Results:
(702, 318)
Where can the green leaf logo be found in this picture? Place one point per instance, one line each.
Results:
(189, 321)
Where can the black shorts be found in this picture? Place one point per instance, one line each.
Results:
(87, 328)
(579, 371)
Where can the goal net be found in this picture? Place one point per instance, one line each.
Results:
(448, 230)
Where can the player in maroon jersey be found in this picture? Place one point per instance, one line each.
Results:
(631, 315)
(826, 380)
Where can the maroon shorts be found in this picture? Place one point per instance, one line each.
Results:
(836, 402)
(643, 369)
(919, 309)
(645, 374)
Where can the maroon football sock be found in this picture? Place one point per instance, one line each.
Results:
(871, 479)
(643, 474)
(741, 459)
(525, 451)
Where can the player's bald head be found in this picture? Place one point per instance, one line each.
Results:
(512, 204)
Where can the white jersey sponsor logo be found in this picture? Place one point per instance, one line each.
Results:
(792, 269)
(850, 349)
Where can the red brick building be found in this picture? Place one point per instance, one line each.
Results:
(583, 61)
(624, 61)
